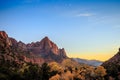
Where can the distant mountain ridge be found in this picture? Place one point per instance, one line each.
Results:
(88, 62)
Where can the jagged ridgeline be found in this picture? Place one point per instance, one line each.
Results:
(20, 61)
(43, 60)
(38, 52)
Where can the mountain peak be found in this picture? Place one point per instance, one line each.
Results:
(48, 50)
(4, 38)
(48, 46)
(46, 43)
(3, 34)
(46, 38)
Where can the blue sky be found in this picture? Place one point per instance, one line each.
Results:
(87, 29)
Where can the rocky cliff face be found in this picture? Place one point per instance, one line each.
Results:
(4, 41)
(48, 50)
(38, 52)
(6, 53)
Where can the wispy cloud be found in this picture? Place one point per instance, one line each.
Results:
(84, 15)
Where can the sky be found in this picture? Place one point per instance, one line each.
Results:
(88, 29)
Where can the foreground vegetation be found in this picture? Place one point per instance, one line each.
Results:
(67, 70)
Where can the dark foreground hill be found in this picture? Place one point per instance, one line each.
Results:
(113, 66)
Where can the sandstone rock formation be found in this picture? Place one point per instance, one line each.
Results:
(47, 49)
(35, 52)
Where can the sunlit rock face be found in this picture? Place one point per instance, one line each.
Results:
(48, 50)
(35, 52)
(4, 40)
(44, 47)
